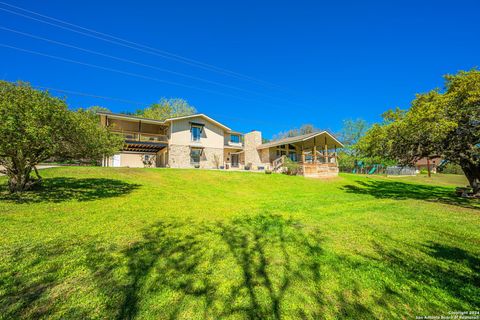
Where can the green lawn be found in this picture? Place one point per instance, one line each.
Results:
(122, 243)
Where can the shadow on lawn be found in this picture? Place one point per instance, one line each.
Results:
(26, 285)
(445, 268)
(243, 268)
(401, 190)
(67, 189)
(258, 267)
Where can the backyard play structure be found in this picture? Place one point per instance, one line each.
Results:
(363, 168)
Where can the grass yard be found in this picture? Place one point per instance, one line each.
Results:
(117, 243)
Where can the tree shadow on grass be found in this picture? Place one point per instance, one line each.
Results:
(27, 283)
(255, 267)
(401, 190)
(244, 268)
(452, 270)
(68, 189)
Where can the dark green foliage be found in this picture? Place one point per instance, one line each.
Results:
(451, 168)
(35, 126)
(438, 124)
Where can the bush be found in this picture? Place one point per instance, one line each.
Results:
(291, 167)
(451, 168)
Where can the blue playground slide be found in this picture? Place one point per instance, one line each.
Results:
(374, 168)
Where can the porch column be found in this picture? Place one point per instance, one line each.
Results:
(314, 150)
(326, 151)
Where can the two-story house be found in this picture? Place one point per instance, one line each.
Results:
(181, 142)
(198, 141)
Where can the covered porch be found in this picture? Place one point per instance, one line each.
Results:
(315, 154)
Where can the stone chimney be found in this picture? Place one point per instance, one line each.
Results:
(251, 141)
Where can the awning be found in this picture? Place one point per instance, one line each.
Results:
(143, 146)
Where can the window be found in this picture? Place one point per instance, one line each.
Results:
(195, 155)
(281, 153)
(293, 156)
(234, 138)
(196, 133)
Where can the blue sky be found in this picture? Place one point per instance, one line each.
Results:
(268, 65)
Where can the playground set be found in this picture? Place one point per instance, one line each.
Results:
(362, 168)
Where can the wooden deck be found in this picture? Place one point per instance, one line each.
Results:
(317, 168)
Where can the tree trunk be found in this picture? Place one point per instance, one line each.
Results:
(19, 178)
(472, 172)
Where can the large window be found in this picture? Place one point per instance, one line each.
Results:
(196, 133)
(195, 155)
(234, 138)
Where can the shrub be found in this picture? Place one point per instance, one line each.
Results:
(451, 168)
(291, 167)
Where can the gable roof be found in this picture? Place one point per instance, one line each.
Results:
(201, 115)
(300, 138)
(162, 122)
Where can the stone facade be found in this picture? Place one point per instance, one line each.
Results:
(253, 156)
(179, 157)
(211, 158)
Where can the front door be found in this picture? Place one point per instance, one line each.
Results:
(116, 160)
(234, 160)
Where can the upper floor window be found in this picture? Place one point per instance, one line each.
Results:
(196, 133)
(234, 138)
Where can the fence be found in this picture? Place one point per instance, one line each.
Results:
(400, 171)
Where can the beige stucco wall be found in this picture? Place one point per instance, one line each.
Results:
(212, 135)
(133, 160)
(130, 159)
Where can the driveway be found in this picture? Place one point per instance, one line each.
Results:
(42, 166)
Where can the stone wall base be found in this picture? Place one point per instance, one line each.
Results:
(179, 157)
(311, 170)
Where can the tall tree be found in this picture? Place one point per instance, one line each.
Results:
(351, 132)
(167, 108)
(34, 126)
(438, 124)
(96, 109)
(304, 129)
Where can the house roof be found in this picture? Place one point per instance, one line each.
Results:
(201, 115)
(300, 138)
(163, 122)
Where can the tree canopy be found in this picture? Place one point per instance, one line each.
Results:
(304, 129)
(35, 126)
(167, 108)
(440, 123)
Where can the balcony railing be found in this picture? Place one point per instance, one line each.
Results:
(234, 144)
(142, 137)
